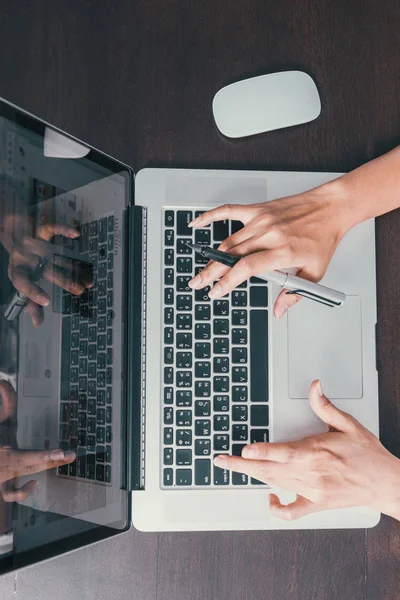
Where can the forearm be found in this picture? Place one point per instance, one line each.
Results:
(371, 190)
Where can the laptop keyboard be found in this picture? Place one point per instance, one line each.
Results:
(87, 358)
(215, 368)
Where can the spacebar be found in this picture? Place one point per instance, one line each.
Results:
(259, 356)
(65, 357)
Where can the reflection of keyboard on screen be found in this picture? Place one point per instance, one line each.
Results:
(215, 362)
(87, 359)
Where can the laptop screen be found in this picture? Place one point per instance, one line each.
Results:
(62, 414)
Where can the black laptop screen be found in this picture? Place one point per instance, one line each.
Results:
(62, 410)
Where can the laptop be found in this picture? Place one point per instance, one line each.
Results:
(146, 379)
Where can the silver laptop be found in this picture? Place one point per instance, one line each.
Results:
(148, 380)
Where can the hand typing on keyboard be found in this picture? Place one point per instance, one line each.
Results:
(346, 466)
(26, 245)
(15, 463)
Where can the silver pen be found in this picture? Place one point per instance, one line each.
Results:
(19, 300)
(295, 285)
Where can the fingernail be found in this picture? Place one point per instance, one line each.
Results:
(77, 289)
(192, 223)
(216, 291)
(193, 283)
(74, 233)
(69, 454)
(43, 300)
(250, 451)
(220, 461)
(280, 311)
(319, 388)
(57, 455)
(36, 323)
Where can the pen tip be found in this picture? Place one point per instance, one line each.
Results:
(189, 244)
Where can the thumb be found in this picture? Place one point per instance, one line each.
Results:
(327, 412)
(286, 299)
(9, 401)
(300, 507)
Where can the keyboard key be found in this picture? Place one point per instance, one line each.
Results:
(168, 355)
(82, 401)
(259, 355)
(221, 345)
(168, 395)
(183, 477)
(90, 443)
(202, 447)
(168, 456)
(183, 418)
(183, 218)
(240, 393)
(169, 296)
(64, 412)
(202, 389)
(184, 302)
(239, 479)
(202, 236)
(237, 449)
(239, 298)
(240, 433)
(108, 414)
(259, 435)
(66, 304)
(92, 351)
(259, 415)
(168, 477)
(168, 436)
(168, 375)
(92, 370)
(101, 398)
(109, 337)
(239, 337)
(109, 434)
(100, 454)
(168, 316)
(183, 398)
(84, 238)
(75, 323)
(202, 370)
(202, 427)
(81, 421)
(107, 474)
(202, 295)
(239, 374)
(109, 395)
(239, 355)
(221, 442)
(168, 335)
(169, 237)
(183, 341)
(110, 242)
(169, 218)
(109, 356)
(83, 366)
(183, 321)
(183, 379)
(183, 457)
(110, 280)
(221, 327)
(202, 408)
(183, 437)
(221, 364)
(91, 425)
(183, 360)
(221, 384)
(202, 331)
(259, 296)
(169, 257)
(99, 472)
(239, 317)
(103, 229)
(202, 350)
(221, 308)
(110, 298)
(202, 471)
(81, 465)
(202, 312)
(168, 277)
(221, 403)
(92, 333)
(182, 283)
(184, 265)
(102, 270)
(236, 226)
(168, 416)
(221, 476)
(221, 230)
(239, 412)
(221, 423)
(182, 247)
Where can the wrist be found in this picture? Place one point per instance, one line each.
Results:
(339, 201)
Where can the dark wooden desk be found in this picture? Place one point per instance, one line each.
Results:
(137, 80)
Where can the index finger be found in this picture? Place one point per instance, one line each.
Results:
(263, 470)
(233, 212)
(8, 400)
(47, 231)
(16, 463)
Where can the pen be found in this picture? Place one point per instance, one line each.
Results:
(19, 300)
(295, 285)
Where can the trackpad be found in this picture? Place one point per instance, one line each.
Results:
(325, 343)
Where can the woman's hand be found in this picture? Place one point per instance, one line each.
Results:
(347, 466)
(26, 246)
(299, 231)
(15, 463)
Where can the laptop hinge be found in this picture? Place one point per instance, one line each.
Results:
(136, 346)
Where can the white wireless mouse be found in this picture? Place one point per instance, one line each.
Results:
(266, 103)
